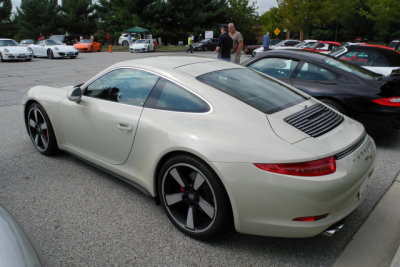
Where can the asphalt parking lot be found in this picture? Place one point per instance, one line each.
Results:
(80, 216)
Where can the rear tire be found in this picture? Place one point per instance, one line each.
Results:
(193, 197)
(125, 43)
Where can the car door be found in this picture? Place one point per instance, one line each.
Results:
(315, 80)
(103, 124)
(277, 67)
(38, 48)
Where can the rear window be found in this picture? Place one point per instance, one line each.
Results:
(253, 88)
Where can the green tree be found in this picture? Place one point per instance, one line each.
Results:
(77, 17)
(243, 14)
(36, 16)
(386, 17)
(300, 15)
(271, 20)
(6, 26)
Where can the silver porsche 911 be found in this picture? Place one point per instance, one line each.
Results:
(214, 142)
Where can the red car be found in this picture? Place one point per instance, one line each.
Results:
(324, 47)
(87, 45)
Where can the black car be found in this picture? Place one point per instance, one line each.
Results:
(66, 39)
(206, 44)
(369, 97)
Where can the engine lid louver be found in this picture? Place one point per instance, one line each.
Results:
(315, 120)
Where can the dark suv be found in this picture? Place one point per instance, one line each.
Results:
(206, 44)
(66, 39)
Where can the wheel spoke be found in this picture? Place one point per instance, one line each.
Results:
(37, 139)
(32, 123)
(173, 198)
(43, 126)
(35, 113)
(198, 181)
(206, 207)
(175, 174)
(44, 140)
(189, 219)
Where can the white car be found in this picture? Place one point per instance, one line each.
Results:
(214, 142)
(285, 44)
(142, 45)
(11, 50)
(124, 39)
(52, 49)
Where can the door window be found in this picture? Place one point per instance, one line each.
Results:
(276, 67)
(127, 86)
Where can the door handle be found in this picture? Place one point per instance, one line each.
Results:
(125, 127)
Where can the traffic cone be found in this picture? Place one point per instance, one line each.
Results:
(109, 49)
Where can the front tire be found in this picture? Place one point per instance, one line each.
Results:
(40, 130)
(193, 197)
(50, 54)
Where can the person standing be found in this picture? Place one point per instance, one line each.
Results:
(190, 44)
(237, 43)
(224, 45)
(108, 38)
(92, 38)
(266, 41)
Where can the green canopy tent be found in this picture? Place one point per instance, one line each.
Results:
(136, 29)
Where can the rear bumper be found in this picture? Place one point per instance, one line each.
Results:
(266, 203)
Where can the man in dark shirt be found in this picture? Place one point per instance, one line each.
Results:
(225, 44)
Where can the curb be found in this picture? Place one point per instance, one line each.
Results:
(377, 241)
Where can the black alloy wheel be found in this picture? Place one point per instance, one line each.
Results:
(40, 130)
(50, 54)
(193, 197)
(125, 43)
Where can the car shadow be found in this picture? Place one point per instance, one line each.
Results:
(385, 138)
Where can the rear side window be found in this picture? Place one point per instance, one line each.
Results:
(310, 71)
(253, 88)
(167, 95)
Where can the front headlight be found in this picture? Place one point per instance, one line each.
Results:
(6, 50)
(56, 48)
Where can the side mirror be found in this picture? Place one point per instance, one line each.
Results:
(75, 94)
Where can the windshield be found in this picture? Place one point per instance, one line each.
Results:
(351, 68)
(253, 88)
(142, 41)
(337, 52)
(85, 41)
(281, 43)
(205, 41)
(53, 42)
(9, 42)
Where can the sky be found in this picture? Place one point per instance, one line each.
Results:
(262, 5)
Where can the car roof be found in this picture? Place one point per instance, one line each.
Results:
(193, 66)
(298, 53)
(371, 46)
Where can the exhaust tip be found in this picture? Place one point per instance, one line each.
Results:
(334, 229)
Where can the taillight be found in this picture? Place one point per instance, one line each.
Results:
(311, 168)
(310, 218)
(391, 101)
